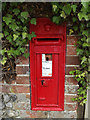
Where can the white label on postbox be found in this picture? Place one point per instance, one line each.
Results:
(46, 65)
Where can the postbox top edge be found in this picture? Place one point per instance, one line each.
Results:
(46, 26)
(38, 20)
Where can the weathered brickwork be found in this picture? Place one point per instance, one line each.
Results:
(18, 93)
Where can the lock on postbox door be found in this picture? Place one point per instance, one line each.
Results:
(47, 65)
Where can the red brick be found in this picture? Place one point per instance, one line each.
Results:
(20, 89)
(71, 81)
(22, 80)
(71, 40)
(68, 69)
(22, 69)
(68, 98)
(22, 60)
(72, 60)
(71, 50)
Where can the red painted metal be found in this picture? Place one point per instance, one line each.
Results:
(50, 39)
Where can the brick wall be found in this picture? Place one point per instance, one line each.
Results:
(19, 91)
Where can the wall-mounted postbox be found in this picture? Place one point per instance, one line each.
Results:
(47, 65)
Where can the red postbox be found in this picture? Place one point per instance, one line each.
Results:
(47, 65)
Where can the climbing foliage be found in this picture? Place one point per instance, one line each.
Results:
(79, 15)
(15, 30)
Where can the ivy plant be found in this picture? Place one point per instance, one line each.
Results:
(78, 14)
(15, 30)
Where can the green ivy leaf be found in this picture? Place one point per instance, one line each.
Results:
(80, 98)
(63, 14)
(26, 55)
(1, 35)
(85, 32)
(29, 37)
(9, 37)
(74, 19)
(16, 11)
(80, 16)
(72, 72)
(74, 8)
(56, 19)
(70, 31)
(3, 60)
(13, 26)
(33, 34)
(15, 37)
(67, 9)
(86, 45)
(6, 33)
(22, 50)
(75, 28)
(54, 7)
(33, 21)
(79, 51)
(25, 29)
(7, 20)
(25, 15)
(83, 59)
(3, 51)
(24, 35)
(85, 4)
(23, 20)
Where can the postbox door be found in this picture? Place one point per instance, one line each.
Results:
(47, 80)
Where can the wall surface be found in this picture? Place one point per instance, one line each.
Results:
(15, 97)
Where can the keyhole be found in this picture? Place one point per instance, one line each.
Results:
(42, 82)
(47, 58)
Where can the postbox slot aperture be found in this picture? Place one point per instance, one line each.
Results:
(47, 39)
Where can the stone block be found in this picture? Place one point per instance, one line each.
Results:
(70, 114)
(56, 114)
(12, 113)
(2, 105)
(70, 107)
(71, 89)
(9, 105)
(71, 81)
(22, 98)
(6, 98)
